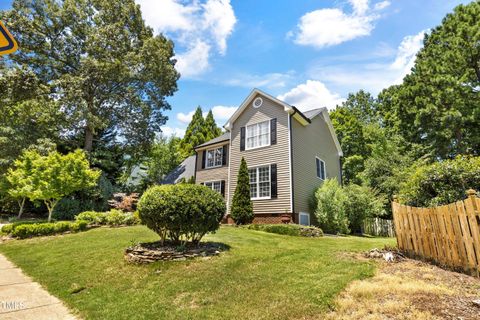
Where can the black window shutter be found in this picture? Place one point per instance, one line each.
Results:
(224, 155)
(242, 139)
(201, 183)
(204, 158)
(222, 188)
(317, 162)
(273, 131)
(273, 181)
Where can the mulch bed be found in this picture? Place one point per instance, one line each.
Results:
(155, 251)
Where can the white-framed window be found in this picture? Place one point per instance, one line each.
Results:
(320, 165)
(258, 135)
(304, 219)
(260, 187)
(214, 158)
(214, 185)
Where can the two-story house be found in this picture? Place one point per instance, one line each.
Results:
(288, 153)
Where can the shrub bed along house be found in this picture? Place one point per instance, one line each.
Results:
(113, 218)
(288, 229)
(28, 230)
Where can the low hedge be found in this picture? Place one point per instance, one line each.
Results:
(288, 229)
(112, 218)
(28, 230)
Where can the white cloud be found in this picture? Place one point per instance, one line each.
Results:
(311, 95)
(205, 23)
(194, 61)
(332, 26)
(372, 76)
(381, 5)
(222, 113)
(168, 131)
(269, 80)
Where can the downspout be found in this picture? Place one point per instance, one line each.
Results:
(290, 159)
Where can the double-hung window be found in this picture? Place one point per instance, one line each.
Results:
(214, 157)
(260, 187)
(321, 173)
(214, 185)
(258, 135)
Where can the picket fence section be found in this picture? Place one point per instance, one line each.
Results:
(378, 227)
(448, 235)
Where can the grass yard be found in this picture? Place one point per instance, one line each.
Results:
(262, 276)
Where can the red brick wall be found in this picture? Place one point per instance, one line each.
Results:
(274, 218)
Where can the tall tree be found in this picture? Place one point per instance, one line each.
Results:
(194, 135)
(103, 65)
(27, 113)
(349, 121)
(163, 158)
(437, 104)
(242, 206)
(211, 130)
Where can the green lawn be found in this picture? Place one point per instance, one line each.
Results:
(262, 276)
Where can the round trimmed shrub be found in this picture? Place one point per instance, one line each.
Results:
(181, 211)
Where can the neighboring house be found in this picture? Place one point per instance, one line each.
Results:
(182, 172)
(289, 154)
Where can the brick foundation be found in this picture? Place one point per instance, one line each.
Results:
(274, 218)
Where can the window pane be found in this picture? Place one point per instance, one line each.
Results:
(208, 184)
(253, 182)
(210, 158)
(264, 189)
(264, 173)
(218, 156)
(217, 186)
(322, 167)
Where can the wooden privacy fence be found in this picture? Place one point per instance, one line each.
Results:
(378, 227)
(449, 234)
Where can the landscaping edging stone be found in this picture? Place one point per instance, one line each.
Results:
(154, 251)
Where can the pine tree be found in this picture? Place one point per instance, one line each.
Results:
(211, 130)
(194, 134)
(242, 207)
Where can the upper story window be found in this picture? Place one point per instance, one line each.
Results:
(321, 172)
(214, 157)
(260, 187)
(258, 135)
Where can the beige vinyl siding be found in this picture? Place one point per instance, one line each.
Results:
(278, 153)
(309, 142)
(212, 174)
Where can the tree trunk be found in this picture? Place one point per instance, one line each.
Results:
(88, 139)
(21, 204)
(50, 207)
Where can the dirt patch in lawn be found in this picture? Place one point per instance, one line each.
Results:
(410, 289)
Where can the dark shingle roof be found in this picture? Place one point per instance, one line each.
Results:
(186, 169)
(223, 137)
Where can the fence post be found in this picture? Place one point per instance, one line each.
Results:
(474, 225)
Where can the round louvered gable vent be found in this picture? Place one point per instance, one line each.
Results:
(257, 103)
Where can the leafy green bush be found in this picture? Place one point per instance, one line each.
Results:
(66, 209)
(92, 217)
(330, 207)
(113, 217)
(183, 210)
(441, 182)
(362, 202)
(27, 230)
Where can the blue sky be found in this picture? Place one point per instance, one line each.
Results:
(308, 53)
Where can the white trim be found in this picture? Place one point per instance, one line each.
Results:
(290, 169)
(247, 102)
(229, 169)
(214, 165)
(305, 214)
(332, 132)
(258, 125)
(324, 168)
(257, 99)
(269, 180)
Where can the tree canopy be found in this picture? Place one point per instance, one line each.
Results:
(99, 62)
